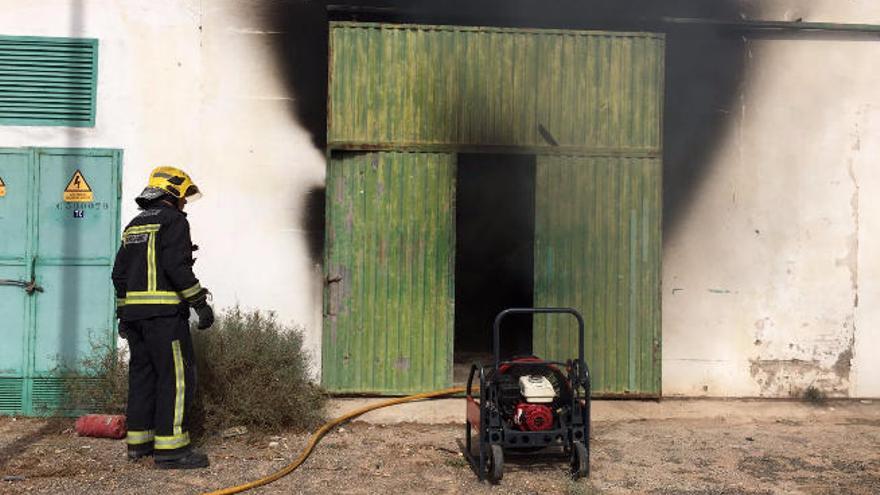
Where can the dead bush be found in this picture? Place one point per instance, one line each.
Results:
(99, 382)
(254, 372)
(251, 371)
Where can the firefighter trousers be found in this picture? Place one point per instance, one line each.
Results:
(161, 385)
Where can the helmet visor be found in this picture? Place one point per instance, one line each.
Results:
(192, 193)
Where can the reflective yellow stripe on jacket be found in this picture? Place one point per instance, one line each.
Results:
(191, 292)
(151, 263)
(151, 297)
(142, 229)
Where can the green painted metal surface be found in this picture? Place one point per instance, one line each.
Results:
(588, 104)
(388, 310)
(68, 249)
(48, 81)
(597, 249)
(15, 252)
(397, 86)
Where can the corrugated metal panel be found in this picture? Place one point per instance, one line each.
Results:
(422, 86)
(598, 242)
(48, 81)
(388, 314)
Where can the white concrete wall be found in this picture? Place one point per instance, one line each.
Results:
(771, 281)
(194, 84)
(770, 278)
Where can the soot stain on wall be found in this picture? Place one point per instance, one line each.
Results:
(300, 52)
(704, 68)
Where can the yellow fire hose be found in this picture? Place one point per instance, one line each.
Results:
(323, 430)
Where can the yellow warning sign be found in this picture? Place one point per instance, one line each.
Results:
(78, 190)
(2, 188)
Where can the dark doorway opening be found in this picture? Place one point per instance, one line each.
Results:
(494, 255)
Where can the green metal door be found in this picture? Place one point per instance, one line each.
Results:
(15, 254)
(597, 249)
(388, 310)
(66, 228)
(76, 244)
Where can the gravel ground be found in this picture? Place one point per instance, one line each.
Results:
(834, 452)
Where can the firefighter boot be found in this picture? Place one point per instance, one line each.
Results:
(192, 459)
(138, 452)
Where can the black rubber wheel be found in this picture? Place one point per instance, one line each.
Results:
(495, 465)
(580, 463)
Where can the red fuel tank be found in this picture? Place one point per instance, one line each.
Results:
(101, 425)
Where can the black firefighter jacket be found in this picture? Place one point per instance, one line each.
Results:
(153, 273)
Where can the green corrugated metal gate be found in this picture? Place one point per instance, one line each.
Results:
(403, 101)
(597, 248)
(392, 232)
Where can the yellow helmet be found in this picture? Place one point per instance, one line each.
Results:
(168, 181)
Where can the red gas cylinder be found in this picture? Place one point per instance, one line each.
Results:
(101, 425)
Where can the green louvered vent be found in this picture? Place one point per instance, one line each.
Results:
(48, 396)
(10, 395)
(48, 81)
(65, 396)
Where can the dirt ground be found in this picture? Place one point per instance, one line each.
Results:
(837, 451)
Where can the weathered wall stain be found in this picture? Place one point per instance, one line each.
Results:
(791, 377)
(824, 363)
(843, 365)
(759, 330)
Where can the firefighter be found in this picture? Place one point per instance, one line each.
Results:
(155, 288)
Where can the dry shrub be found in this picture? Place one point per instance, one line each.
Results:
(251, 371)
(99, 382)
(254, 372)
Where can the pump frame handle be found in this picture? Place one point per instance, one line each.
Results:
(511, 311)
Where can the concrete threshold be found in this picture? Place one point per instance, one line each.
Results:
(444, 411)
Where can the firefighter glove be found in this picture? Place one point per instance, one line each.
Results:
(206, 315)
(123, 329)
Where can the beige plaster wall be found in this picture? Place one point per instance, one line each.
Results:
(768, 281)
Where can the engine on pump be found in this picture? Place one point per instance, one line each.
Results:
(533, 396)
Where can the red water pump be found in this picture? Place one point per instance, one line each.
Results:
(528, 405)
